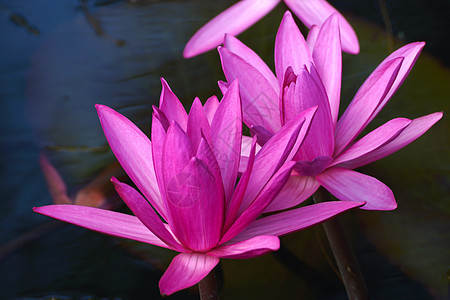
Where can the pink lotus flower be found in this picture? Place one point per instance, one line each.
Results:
(308, 73)
(245, 13)
(187, 175)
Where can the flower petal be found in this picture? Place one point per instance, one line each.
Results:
(197, 125)
(247, 249)
(409, 53)
(373, 140)
(133, 150)
(259, 98)
(327, 57)
(310, 92)
(279, 149)
(210, 107)
(247, 54)
(104, 221)
(256, 207)
(226, 136)
(290, 48)
(369, 96)
(348, 185)
(171, 106)
(312, 37)
(315, 12)
(195, 203)
(145, 213)
(185, 270)
(296, 190)
(296, 219)
(413, 131)
(233, 20)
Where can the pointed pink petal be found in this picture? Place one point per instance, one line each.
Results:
(233, 20)
(171, 106)
(133, 150)
(369, 96)
(315, 12)
(296, 219)
(409, 53)
(247, 249)
(195, 203)
(308, 93)
(262, 134)
(145, 213)
(160, 125)
(241, 187)
(223, 86)
(197, 125)
(55, 183)
(264, 198)
(290, 48)
(259, 98)
(226, 137)
(296, 190)
(185, 270)
(279, 149)
(237, 47)
(327, 57)
(104, 221)
(312, 37)
(210, 107)
(348, 185)
(373, 140)
(245, 152)
(413, 131)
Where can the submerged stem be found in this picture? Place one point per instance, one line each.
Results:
(208, 287)
(343, 253)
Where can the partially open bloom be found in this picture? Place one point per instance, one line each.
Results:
(187, 175)
(245, 13)
(308, 73)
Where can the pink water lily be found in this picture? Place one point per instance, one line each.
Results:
(187, 176)
(308, 73)
(245, 13)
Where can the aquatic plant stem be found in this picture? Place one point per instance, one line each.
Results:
(208, 287)
(343, 253)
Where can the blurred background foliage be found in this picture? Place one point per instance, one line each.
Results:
(59, 58)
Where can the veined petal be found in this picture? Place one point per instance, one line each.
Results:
(409, 53)
(133, 150)
(315, 12)
(327, 57)
(257, 206)
(279, 149)
(195, 204)
(247, 54)
(185, 270)
(296, 219)
(369, 96)
(348, 185)
(247, 249)
(373, 140)
(160, 124)
(171, 105)
(197, 125)
(290, 48)
(210, 107)
(226, 137)
(413, 131)
(259, 98)
(104, 221)
(145, 213)
(312, 37)
(296, 190)
(241, 187)
(310, 92)
(233, 20)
